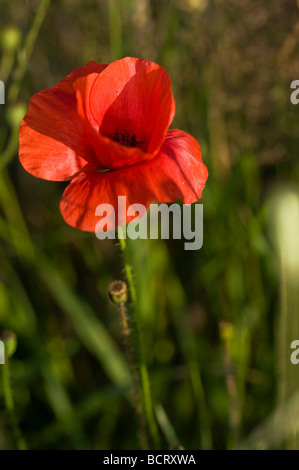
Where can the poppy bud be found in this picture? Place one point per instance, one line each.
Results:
(118, 292)
(10, 38)
(10, 343)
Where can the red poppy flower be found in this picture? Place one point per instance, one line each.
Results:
(105, 128)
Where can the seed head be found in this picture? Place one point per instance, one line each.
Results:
(118, 292)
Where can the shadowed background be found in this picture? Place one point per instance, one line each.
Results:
(216, 323)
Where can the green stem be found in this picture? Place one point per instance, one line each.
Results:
(146, 397)
(8, 58)
(115, 27)
(134, 377)
(9, 403)
(129, 275)
(26, 52)
(11, 149)
(234, 415)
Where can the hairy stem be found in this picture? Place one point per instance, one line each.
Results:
(136, 393)
(9, 403)
(145, 390)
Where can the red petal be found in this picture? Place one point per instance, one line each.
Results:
(133, 95)
(110, 153)
(53, 143)
(177, 172)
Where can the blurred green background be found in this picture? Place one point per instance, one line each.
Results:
(217, 323)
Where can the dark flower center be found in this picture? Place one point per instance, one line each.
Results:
(126, 139)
